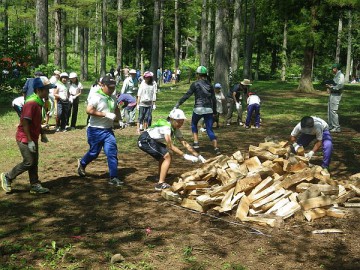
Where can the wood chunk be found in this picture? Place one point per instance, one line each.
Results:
(303, 187)
(286, 166)
(238, 156)
(356, 189)
(311, 192)
(343, 198)
(305, 175)
(267, 145)
(277, 168)
(355, 177)
(313, 214)
(284, 143)
(253, 164)
(247, 183)
(261, 186)
(352, 205)
(224, 188)
(327, 231)
(267, 163)
(236, 198)
(294, 197)
(192, 204)
(234, 174)
(177, 186)
(288, 210)
(265, 172)
(206, 199)
(280, 203)
(279, 160)
(298, 167)
(278, 151)
(262, 194)
(272, 222)
(270, 198)
(243, 208)
(335, 212)
(226, 201)
(261, 153)
(223, 176)
(317, 202)
(195, 184)
(170, 196)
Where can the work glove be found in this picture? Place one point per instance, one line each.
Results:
(296, 147)
(190, 158)
(110, 115)
(201, 159)
(153, 106)
(32, 146)
(44, 138)
(237, 104)
(309, 155)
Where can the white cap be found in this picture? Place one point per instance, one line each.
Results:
(132, 71)
(177, 114)
(64, 74)
(72, 75)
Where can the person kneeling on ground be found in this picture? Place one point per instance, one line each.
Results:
(27, 136)
(311, 128)
(253, 102)
(152, 142)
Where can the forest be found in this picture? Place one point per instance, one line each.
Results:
(257, 39)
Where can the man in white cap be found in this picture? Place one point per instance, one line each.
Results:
(156, 141)
(130, 87)
(27, 136)
(62, 95)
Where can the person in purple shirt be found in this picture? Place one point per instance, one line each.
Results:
(128, 103)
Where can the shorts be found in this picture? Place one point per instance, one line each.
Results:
(155, 149)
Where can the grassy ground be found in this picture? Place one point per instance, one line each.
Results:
(83, 222)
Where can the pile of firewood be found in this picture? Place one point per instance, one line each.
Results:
(266, 186)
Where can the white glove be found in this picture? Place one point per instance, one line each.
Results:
(296, 146)
(44, 139)
(153, 106)
(237, 104)
(201, 159)
(32, 146)
(309, 155)
(110, 115)
(121, 124)
(190, 158)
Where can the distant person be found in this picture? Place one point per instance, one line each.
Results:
(204, 107)
(309, 129)
(157, 142)
(100, 135)
(158, 75)
(62, 95)
(335, 92)
(128, 105)
(17, 105)
(130, 87)
(27, 136)
(253, 107)
(126, 71)
(75, 90)
(112, 71)
(219, 103)
(28, 88)
(178, 73)
(55, 77)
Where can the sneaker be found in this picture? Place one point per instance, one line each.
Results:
(247, 127)
(196, 145)
(241, 123)
(161, 186)
(58, 129)
(81, 169)
(38, 189)
(116, 182)
(217, 151)
(202, 129)
(257, 127)
(5, 183)
(334, 130)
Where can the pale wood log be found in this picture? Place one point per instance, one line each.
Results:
(206, 200)
(313, 214)
(343, 198)
(327, 231)
(305, 175)
(317, 202)
(262, 194)
(355, 177)
(300, 166)
(277, 168)
(177, 186)
(253, 164)
(262, 185)
(226, 201)
(356, 189)
(303, 187)
(224, 188)
(294, 197)
(247, 183)
(243, 208)
(335, 212)
(352, 205)
(195, 184)
(238, 156)
(288, 210)
(223, 176)
(278, 151)
(272, 222)
(311, 192)
(268, 205)
(192, 204)
(261, 153)
(255, 212)
(236, 198)
(279, 160)
(280, 203)
(267, 145)
(233, 164)
(234, 174)
(270, 198)
(264, 172)
(170, 195)
(284, 144)
(223, 163)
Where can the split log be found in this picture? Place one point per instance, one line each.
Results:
(206, 200)
(247, 183)
(272, 222)
(226, 201)
(260, 153)
(343, 198)
(313, 214)
(261, 186)
(356, 189)
(243, 208)
(195, 184)
(317, 202)
(327, 231)
(253, 164)
(281, 202)
(192, 204)
(238, 156)
(352, 205)
(335, 212)
(222, 189)
(305, 175)
(171, 196)
(288, 210)
(270, 198)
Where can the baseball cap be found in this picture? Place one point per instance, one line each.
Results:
(148, 74)
(109, 81)
(337, 66)
(64, 74)
(42, 82)
(132, 71)
(217, 85)
(177, 114)
(38, 73)
(201, 70)
(56, 72)
(72, 75)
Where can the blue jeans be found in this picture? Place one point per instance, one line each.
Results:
(208, 120)
(253, 108)
(327, 146)
(97, 139)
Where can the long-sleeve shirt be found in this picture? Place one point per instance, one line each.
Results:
(339, 80)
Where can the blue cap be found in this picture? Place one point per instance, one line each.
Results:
(217, 85)
(42, 82)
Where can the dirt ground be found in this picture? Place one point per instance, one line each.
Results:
(83, 222)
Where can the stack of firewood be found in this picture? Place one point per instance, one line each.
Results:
(266, 186)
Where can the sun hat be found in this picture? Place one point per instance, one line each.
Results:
(217, 85)
(148, 74)
(109, 81)
(201, 70)
(246, 82)
(43, 82)
(132, 71)
(56, 72)
(177, 114)
(72, 75)
(64, 74)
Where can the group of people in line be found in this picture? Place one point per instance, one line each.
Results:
(156, 139)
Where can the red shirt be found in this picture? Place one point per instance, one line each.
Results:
(33, 112)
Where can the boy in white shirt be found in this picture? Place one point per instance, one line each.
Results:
(253, 103)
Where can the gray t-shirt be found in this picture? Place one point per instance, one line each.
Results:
(319, 127)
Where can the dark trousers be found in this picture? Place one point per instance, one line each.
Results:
(73, 111)
(63, 110)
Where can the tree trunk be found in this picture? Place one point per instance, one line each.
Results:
(5, 18)
(176, 30)
(210, 34)
(349, 45)
(96, 39)
(235, 40)
(161, 35)
(155, 39)
(76, 34)
(338, 40)
(221, 65)
(204, 41)
(82, 52)
(284, 53)
(305, 84)
(103, 38)
(63, 41)
(249, 43)
(57, 31)
(86, 54)
(119, 33)
(42, 30)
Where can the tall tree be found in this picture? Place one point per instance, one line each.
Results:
(155, 39)
(63, 40)
(338, 40)
(57, 32)
(161, 35)
(235, 36)
(42, 30)
(249, 43)
(221, 55)
(349, 45)
(284, 52)
(204, 34)
(5, 19)
(120, 19)
(103, 38)
(176, 35)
